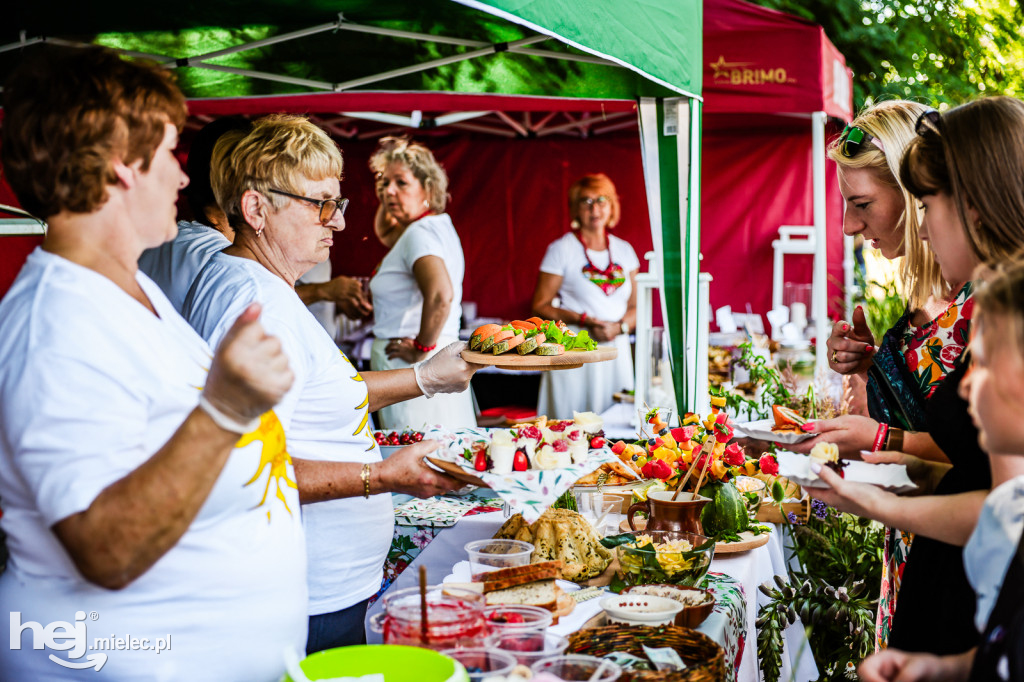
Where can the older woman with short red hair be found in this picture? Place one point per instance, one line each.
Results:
(588, 280)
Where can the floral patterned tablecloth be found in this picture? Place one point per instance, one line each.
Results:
(727, 623)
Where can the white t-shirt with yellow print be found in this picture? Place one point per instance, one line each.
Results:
(92, 384)
(325, 415)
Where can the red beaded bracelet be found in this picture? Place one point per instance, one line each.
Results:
(883, 430)
(421, 348)
(583, 319)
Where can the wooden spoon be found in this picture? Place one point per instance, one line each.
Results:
(423, 605)
(708, 446)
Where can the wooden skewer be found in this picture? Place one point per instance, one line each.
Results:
(707, 465)
(423, 605)
(708, 446)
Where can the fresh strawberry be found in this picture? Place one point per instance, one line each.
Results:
(559, 426)
(560, 446)
(618, 448)
(597, 442)
(480, 461)
(519, 462)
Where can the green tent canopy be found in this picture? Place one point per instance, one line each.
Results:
(645, 51)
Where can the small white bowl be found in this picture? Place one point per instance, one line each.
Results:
(640, 609)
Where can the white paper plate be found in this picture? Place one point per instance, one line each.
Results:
(762, 430)
(892, 477)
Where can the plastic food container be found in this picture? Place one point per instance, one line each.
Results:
(396, 663)
(529, 647)
(516, 618)
(455, 618)
(491, 555)
(481, 663)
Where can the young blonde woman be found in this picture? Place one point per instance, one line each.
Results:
(964, 166)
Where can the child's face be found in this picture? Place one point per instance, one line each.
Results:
(995, 387)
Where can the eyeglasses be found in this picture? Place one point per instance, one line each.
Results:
(930, 120)
(327, 206)
(590, 201)
(853, 140)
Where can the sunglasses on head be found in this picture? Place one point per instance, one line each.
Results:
(929, 121)
(854, 139)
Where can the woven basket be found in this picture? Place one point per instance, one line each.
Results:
(704, 658)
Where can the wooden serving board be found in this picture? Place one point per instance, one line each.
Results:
(567, 360)
(456, 472)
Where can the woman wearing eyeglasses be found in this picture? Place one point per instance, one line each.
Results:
(964, 167)
(279, 187)
(592, 274)
(417, 288)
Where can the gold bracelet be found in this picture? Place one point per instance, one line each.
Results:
(364, 475)
(894, 440)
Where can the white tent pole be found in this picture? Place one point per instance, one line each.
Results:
(380, 117)
(819, 300)
(849, 264)
(318, 85)
(273, 40)
(444, 61)
(512, 123)
(563, 56)
(689, 206)
(458, 116)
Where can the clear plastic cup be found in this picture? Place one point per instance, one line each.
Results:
(516, 618)
(528, 647)
(491, 555)
(578, 668)
(482, 663)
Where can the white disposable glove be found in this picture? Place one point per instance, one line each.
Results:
(445, 371)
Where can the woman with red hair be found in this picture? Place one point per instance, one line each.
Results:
(588, 280)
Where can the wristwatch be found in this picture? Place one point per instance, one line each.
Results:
(625, 327)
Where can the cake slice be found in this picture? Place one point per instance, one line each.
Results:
(537, 593)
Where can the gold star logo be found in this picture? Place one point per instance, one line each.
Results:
(721, 67)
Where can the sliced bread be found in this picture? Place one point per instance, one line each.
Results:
(550, 349)
(518, 575)
(538, 593)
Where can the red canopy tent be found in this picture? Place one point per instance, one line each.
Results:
(771, 83)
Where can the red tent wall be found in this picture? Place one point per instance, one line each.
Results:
(757, 165)
(508, 203)
(756, 177)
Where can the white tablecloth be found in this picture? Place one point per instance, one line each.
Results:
(751, 568)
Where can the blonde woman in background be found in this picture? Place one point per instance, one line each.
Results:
(417, 289)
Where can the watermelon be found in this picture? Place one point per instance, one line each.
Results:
(725, 513)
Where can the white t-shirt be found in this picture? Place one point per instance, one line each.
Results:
(92, 384)
(397, 301)
(175, 264)
(326, 417)
(993, 544)
(565, 257)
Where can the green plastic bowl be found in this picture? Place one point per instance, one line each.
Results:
(397, 663)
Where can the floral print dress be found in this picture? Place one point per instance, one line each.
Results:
(931, 352)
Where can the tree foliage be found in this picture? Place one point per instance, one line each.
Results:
(941, 52)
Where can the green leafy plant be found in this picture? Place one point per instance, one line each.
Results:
(776, 388)
(834, 592)
(883, 304)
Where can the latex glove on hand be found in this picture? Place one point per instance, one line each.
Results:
(851, 348)
(249, 373)
(406, 472)
(445, 371)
